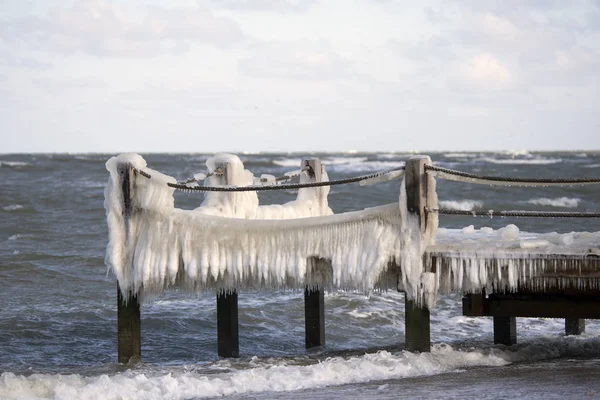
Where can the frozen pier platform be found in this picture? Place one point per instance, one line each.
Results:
(231, 243)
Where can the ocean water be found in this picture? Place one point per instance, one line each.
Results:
(58, 303)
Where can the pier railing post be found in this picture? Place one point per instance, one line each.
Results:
(314, 297)
(228, 342)
(128, 308)
(417, 316)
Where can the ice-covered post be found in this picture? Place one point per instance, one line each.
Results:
(314, 301)
(417, 334)
(128, 307)
(228, 342)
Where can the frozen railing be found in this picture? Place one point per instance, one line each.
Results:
(230, 242)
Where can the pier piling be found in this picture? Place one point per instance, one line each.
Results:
(227, 324)
(505, 330)
(128, 309)
(574, 326)
(417, 318)
(314, 297)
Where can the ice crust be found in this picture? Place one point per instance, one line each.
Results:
(232, 242)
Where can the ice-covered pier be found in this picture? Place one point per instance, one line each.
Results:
(231, 243)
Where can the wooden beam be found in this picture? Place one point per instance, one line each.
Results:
(532, 306)
(227, 325)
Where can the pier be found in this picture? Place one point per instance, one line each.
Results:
(231, 244)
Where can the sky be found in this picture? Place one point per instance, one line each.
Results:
(299, 75)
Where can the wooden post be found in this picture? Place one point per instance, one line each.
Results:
(228, 341)
(128, 329)
(505, 330)
(417, 333)
(128, 309)
(227, 325)
(574, 326)
(314, 317)
(314, 297)
(417, 318)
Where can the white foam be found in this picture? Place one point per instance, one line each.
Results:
(464, 205)
(566, 202)
(14, 164)
(12, 207)
(522, 161)
(592, 166)
(368, 166)
(281, 375)
(288, 162)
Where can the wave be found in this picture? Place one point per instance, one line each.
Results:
(368, 166)
(524, 161)
(20, 236)
(592, 166)
(460, 155)
(12, 207)
(14, 164)
(566, 202)
(463, 205)
(287, 375)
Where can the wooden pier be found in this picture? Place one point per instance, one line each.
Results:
(571, 289)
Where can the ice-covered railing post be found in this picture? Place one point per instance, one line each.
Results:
(314, 299)
(128, 306)
(228, 342)
(418, 184)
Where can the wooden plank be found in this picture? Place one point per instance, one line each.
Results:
(227, 325)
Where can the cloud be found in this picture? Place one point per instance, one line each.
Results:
(298, 60)
(486, 69)
(102, 29)
(265, 5)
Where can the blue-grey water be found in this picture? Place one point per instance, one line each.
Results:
(58, 303)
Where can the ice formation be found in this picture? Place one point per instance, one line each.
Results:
(224, 244)
(508, 259)
(230, 241)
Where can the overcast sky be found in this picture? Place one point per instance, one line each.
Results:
(298, 75)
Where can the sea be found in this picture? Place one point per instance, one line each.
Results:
(58, 336)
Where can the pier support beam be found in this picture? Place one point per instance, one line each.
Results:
(505, 330)
(227, 325)
(417, 333)
(574, 326)
(314, 296)
(129, 341)
(314, 317)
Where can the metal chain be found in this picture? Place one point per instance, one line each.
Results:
(253, 188)
(530, 214)
(526, 181)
